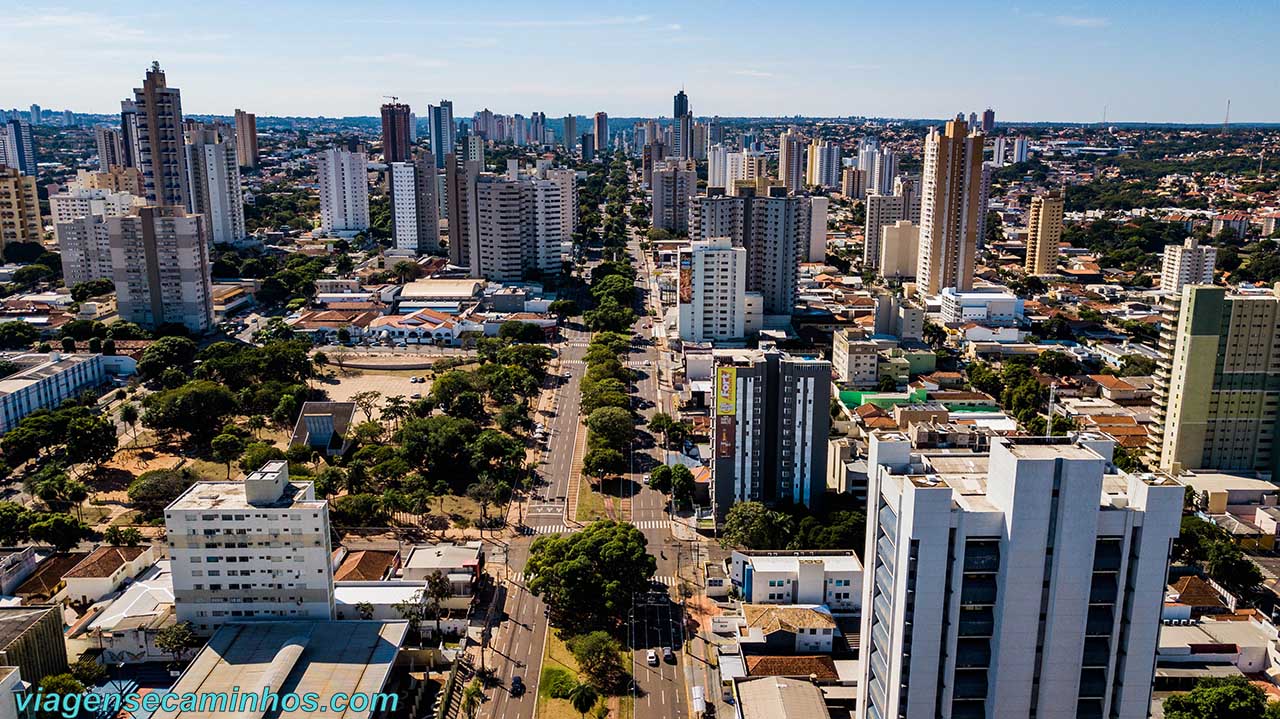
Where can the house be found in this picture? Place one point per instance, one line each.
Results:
(323, 427)
(831, 578)
(424, 326)
(1196, 595)
(103, 571)
(817, 666)
(126, 628)
(786, 629)
(461, 564)
(46, 585)
(16, 564)
(324, 326)
(365, 565)
(777, 697)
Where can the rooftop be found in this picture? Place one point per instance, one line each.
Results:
(771, 618)
(43, 582)
(55, 364)
(443, 556)
(367, 565)
(231, 495)
(104, 562)
(820, 665)
(780, 698)
(16, 620)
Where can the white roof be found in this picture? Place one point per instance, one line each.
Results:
(1241, 634)
(831, 562)
(150, 596)
(1220, 482)
(377, 593)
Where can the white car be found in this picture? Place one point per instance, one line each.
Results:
(652, 658)
(646, 479)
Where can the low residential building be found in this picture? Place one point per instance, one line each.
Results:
(1233, 647)
(126, 629)
(323, 427)
(365, 565)
(985, 306)
(103, 571)
(45, 382)
(854, 359)
(786, 629)
(46, 585)
(830, 578)
(461, 564)
(16, 564)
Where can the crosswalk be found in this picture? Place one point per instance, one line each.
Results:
(669, 581)
(562, 529)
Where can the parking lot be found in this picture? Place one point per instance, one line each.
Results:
(343, 387)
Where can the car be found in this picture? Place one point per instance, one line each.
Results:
(652, 658)
(517, 686)
(668, 656)
(646, 479)
(416, 395)
(568, 375)
(413, 380)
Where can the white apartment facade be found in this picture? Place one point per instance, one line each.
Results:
(1187, 264)
(712, 291)
(160, 267)
(855, 360)
(415, 209)
(257, 549)
(344, 191)
(824, 577)
(214, 178)
(1033, 592)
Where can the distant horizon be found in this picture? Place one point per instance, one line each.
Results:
(1144, 61)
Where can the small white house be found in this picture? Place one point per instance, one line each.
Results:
(105, 570)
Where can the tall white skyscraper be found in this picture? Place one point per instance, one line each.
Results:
(17, 147)
(344, 190)
(884, 170)
(717, 166)
(674, 186)
(712, 292)
(791, 164)
(950, 208)
(823, 164)
(555, 210)
(1189, 263)
(998, 151)
(415, 210)
(214, 178)
(160, 267)
(1021, 149)
(1033, 592)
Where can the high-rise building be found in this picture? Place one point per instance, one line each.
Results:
(160, 266)
(77, 201)
(652, 155)
(344, 190)
(85, 247)
(950, 211)
(774, 229)
(413, 129)
(460, 187)
(246, 138)
(395, 132)
(35, 116)
(475, 149)
(682, 136)
(110, 147)
(884, 169)
(712, 291)
(117, 179)
(17, 147)
(504, 228)
(998, 151)
(19, 208)
(899, 250)
(570, 132)
(1219, 411)
(162, 157)
(885, 210)
(270, 537)
(1021, 149)
(819, 206)
(555, 217)
(1044, 233)
(772, 411)
(717, 166)
(600, 130)
(215, 184)
(129, 133)
(538, 129)
(1034, 591)
(988, 121)
(588, 143)
(440, 117)
(680, 106)
(791, 160)
(415, 213)
(674, 186)
(853, 183)
(823, 164)
(699, 141)
(1189, 263)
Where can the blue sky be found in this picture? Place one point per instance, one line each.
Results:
(1144, 61)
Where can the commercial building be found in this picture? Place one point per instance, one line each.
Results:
(440, 118)
(885, 210)
(415, 209)
(950, 208)
(17, 147)
(816, 577)
(1219, 410)
(1044, 233)
(246, 138)
(1189, 263)
(161, 155)
(19, 208)
(771, 417)
(31, 640)
(791, 165)
(344, 190)
(1025, 582)
(987, 306)
(214, 182)
(251, 550)
(160, 266)
(674, 186)
(712, 293)
(899, 250)
(775, 230)
(395, 132)
(45, 382)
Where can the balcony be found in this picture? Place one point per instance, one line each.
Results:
(970, 684)
(1097, 652)
(968, 710)
(1093, 683)
(976, 622)
(973, 653)
(1106, 556)
(978, 589)
(981, 557)
(1103, 590)
(1100, 623)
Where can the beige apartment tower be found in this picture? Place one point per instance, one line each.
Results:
(950, 208)
(246, 138)
(160, 266)
(19, 207)
(1223, 387)
(1044, 233)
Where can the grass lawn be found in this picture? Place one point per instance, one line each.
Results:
(590, 503)
(557, 656)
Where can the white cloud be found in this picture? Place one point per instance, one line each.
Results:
(1078, 21)
(753, 73)
(675, 26)
(401, 59)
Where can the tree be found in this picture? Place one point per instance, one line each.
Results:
(17, 334)
(60, 530)
(58, 685)
(365, 610)
(88, 671)
(613, 426)
(588, 577)
(583, 698)
(754, 526)
(599, 657)
(483, 493)
(152, 491)
(682, 484)
(359, 510)
(198, 408)
(166, 352)
(438, 445)
(91, 439)
(256, 454)
(519, 331)
(177, 639)
(1228, 566)
(367, 402)
(471, 698)
(14, 519)
(564, 309)
(437, 590)
(1194, 539)
(122, 536)
(92, 288)
(226, 448)
(1058, 364)
(1218, 698)
(660, 478)
(603, 462)
(405, 270)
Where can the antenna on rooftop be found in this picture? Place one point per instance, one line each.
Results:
(392, 98)
(1226, 121)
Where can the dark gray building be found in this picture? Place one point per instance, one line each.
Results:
(771, 418)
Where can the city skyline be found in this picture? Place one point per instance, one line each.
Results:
(1059, 64)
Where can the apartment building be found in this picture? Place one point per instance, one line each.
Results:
(415, 208)
(951, 208)
(252, 550)
(160, 266)
(214, 182)
(1027, 582)
(20, 219)
(1189, 263)
(854, 358)
(675, 184)
(1044, 233)
(344, 190)
(712, 292)
(826, 577)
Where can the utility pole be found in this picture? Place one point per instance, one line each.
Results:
(1048, 425)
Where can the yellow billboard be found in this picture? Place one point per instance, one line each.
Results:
(726, 391)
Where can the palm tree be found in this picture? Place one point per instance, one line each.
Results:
(437, 590)
(404, 270)
(395, 409)
(256, 423)
(583, 696)
(129, 416)
(365, 610)
(471, 698)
